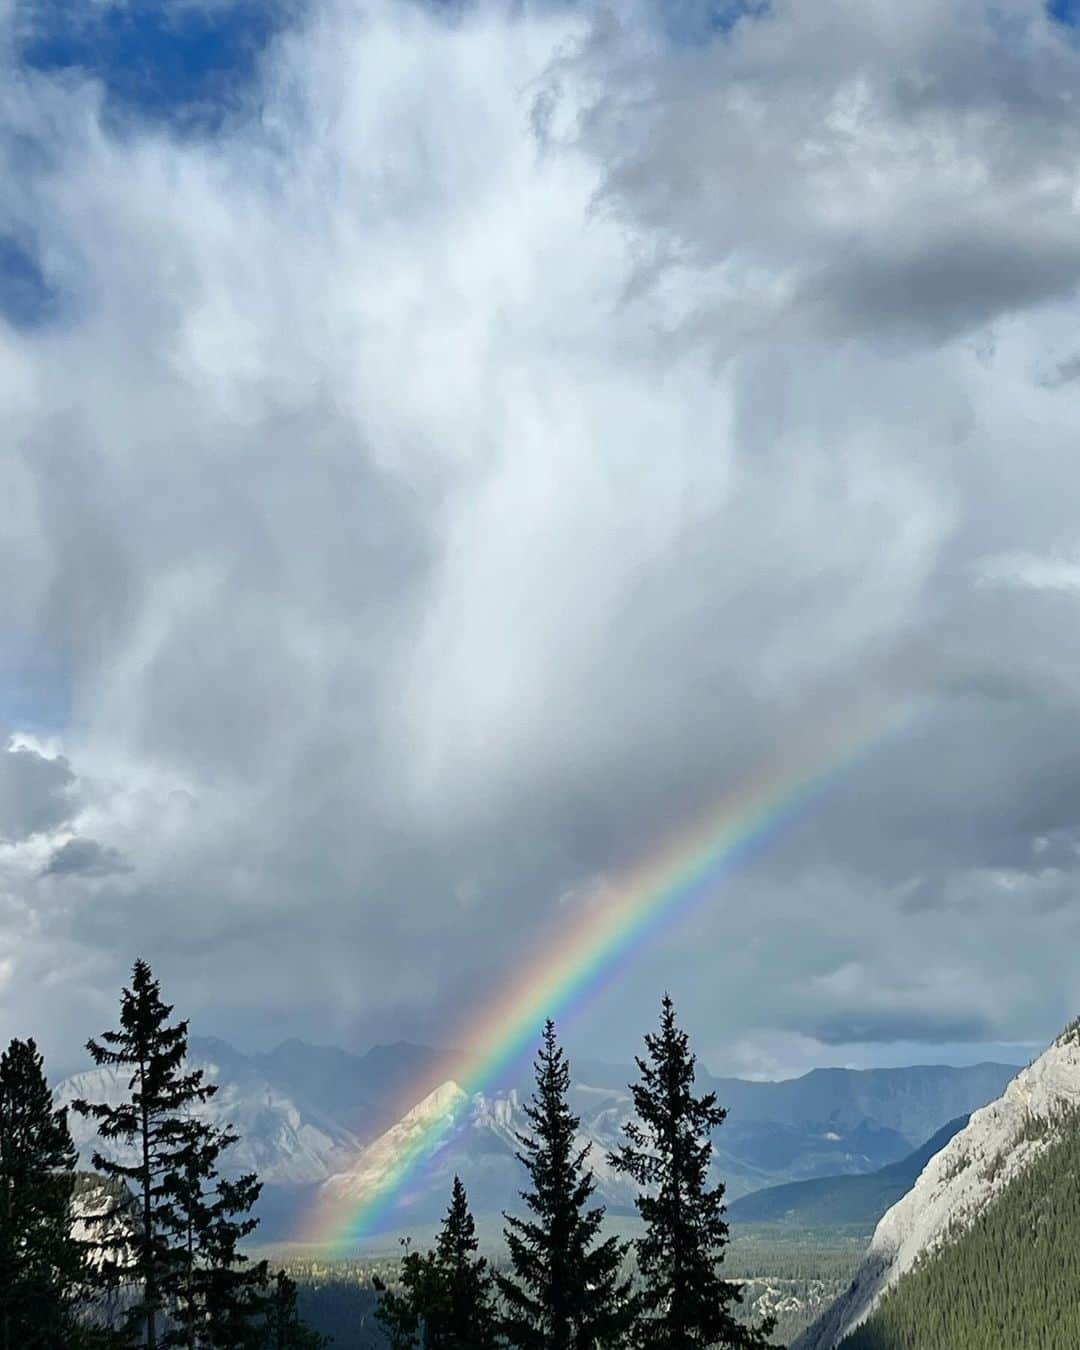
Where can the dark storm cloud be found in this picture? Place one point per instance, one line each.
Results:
(85, 858)
(426, 514)
(931, 290)
(908, 1024)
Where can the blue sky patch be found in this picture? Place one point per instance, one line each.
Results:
(187, 62)
(26, 298)
(35, 695)
(1064, 11)
(699, 21)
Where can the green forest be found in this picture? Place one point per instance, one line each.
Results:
(791, 1276)
(1011, 1280)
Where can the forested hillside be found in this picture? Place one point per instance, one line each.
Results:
(1011, 1280)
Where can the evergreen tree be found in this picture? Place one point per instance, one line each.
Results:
(282, 1327)
(41, 1265)
(466, 1320)
(216, 1294)
(566, 1292)
(401, 1311)
(686, 1301)
(445, 1299)
(152, 1122)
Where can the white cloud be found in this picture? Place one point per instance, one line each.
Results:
(1027, 571)
(446, 475)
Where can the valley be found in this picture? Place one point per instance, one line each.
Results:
(846, 1227)
(792, 1276)
(810, 1164)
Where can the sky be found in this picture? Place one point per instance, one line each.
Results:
(447, 446)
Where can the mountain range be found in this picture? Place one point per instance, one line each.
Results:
(318, 1116)
(850, 1201)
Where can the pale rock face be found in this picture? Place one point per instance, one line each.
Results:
(91, 1204)
(956, 1184)
(379, 1159)
(501, 1114)
(278, 1140)
(447, 1114)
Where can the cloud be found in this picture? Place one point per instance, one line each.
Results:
(1029, 572)
(86, 858)
(34, 791)
(902, 1024)
(454, 463)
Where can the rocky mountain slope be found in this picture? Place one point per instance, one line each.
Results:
(958, 1184)
(376, 1162)
(285, 1142)
(1010, 1280)
(477, 1140)
(364, 1093)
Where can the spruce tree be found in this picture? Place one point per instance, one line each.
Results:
(151, 1122)
(566, 1291)
(282, 1327)
(686, 1301)
(445, 1299)
(401, 1311)
(466, 1321)
(41, 1265)
(215, 1293)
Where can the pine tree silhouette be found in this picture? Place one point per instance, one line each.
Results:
(215, 1293)
(41, 1264)
(566, 1291)
(282, 1327)
(401, 1312)
(686, 1301)
(467, 1319)
(152, 1121)
(446, 1297)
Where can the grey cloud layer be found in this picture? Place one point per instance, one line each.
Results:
(467, 463)
(33, 792)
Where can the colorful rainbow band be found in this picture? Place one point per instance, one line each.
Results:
(591, 945)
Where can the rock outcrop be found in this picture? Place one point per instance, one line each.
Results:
(999, 1141)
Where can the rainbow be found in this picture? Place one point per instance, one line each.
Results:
(591, 944)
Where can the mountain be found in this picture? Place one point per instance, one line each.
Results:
(307, 1113)
(1011, 1279)
(828, 1121)
(377, 1161)
(366, 1093)
(914, 1102)
(960, 1187)
(379, 1158)
(481, 1147)
(850, 1200)
(285, 1142)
